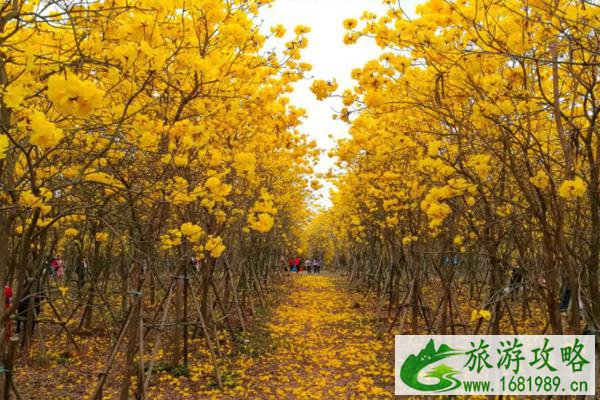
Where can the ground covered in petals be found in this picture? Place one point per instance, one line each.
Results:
(324, 346)
(314, 339)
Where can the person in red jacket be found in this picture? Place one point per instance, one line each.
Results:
(8, 299)
(291, 264)
(298, 264)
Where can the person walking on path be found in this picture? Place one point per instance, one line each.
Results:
(282, 264)
(308, 265)
(298, 265)
(317, 265)
(291, 264)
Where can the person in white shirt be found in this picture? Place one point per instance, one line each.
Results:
(308, 265)
(316, 265)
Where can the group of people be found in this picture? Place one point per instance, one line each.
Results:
(31, 297)
(310, 265)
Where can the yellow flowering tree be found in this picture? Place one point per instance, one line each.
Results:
(137, 135)
(474, 123)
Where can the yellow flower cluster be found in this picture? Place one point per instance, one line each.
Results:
(261, 215)
(102, 237)
(245, 163)
(170, 239)
(262, 222)
(217, 189)
(350, 23)
(323, 89)
(73, 96)
(278, 30)
(192, 231)
(28, 199)
(71, 232)
(484, 314)
(540, 180)
(480, 163)
(3, 146)
(44, 134)
(214, 246)
(572, 189)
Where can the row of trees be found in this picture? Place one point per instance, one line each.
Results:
(475, 137)
(150, 144)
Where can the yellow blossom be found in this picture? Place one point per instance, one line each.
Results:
(322, 89)
(215, 246)
(102, 236)
(261, 223)
(73, 96)
(71, 232)
(540, 180)
(189, 229)
(278, 30)
(45, 134)
(301, 30)
(484, 314)
(350, 23)
(571, 189)
(4, 142)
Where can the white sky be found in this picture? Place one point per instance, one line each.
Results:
(329, 57)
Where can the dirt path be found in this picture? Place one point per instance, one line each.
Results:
(324, 347)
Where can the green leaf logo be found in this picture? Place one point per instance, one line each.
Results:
(413, 365)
